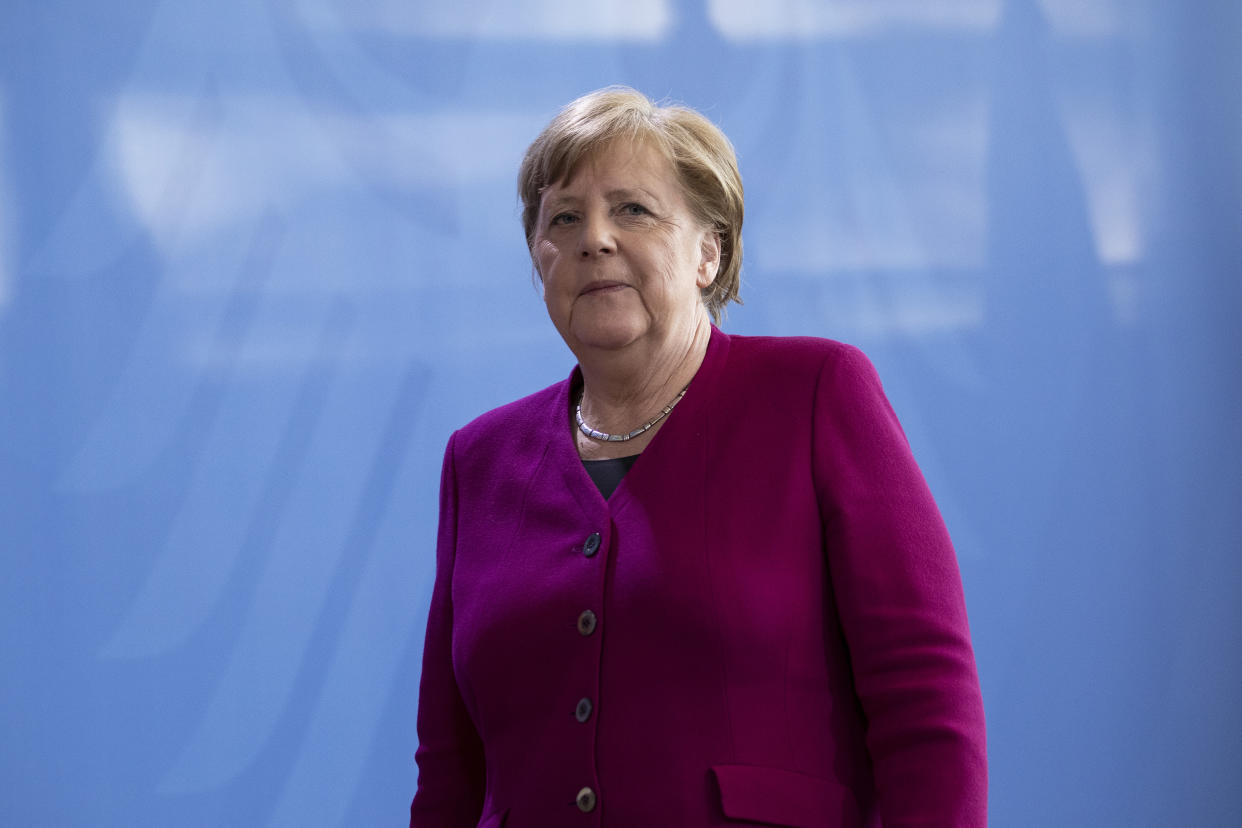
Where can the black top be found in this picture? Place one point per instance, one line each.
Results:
(607, 474)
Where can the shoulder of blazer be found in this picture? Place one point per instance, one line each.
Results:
(776, 360)
(515, 429)
(790, 346)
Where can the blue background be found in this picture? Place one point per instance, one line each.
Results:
(258, 259)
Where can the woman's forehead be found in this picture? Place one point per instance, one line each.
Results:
(620, 164)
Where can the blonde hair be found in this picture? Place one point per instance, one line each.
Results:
(701, 155)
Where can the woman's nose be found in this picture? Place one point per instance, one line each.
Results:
(596, 238)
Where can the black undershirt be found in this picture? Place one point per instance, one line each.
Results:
(607, 474)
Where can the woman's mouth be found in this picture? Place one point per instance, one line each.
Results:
(602, 287)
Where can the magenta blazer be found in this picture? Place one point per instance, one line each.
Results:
(763, 624)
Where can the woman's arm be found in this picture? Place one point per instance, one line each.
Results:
(450, 754)
(899, 595)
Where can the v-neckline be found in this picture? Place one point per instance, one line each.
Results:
(686, 412)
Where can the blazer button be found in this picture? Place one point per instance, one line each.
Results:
(586, 800)
(592, 544)
(586, 622)
(584, 710)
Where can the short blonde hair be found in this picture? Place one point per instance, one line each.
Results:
(701, 155)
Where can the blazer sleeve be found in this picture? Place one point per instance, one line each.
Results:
(899, 597)
(451, 776)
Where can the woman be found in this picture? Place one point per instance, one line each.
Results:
(701, 581)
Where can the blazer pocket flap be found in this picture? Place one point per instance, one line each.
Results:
(496, 820)
(781, 797)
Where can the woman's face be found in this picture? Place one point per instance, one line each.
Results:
(621, 256)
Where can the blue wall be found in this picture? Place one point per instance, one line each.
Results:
(257, 259)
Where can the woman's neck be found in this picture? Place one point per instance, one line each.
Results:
(623, 390)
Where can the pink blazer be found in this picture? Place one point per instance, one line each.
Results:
(763, 624)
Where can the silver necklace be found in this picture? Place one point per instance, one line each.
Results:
(605, 437)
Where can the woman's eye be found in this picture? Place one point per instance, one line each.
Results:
(562, 219)
(634, 210)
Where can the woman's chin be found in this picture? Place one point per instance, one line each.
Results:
(608, 334)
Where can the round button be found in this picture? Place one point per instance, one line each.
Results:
(586, 800)
(586, 622)
(592, 544)
(584, 710)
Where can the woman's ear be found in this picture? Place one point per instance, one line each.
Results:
(709, 258)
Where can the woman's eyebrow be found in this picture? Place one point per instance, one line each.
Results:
(559, 201)
(564, 200)
(625, 192)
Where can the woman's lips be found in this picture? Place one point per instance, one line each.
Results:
(601, 287)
